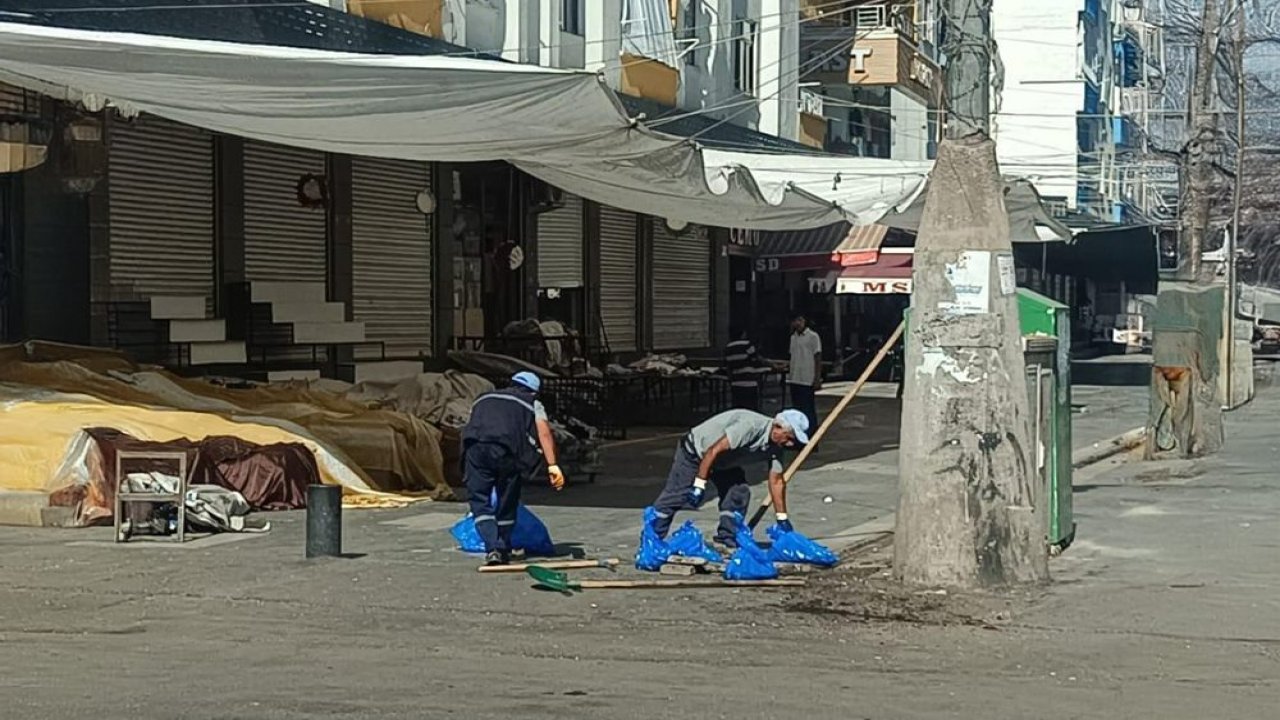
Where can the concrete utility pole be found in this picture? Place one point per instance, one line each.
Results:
(970, 510)
(1185, 417)
(1201, 150)
(1238, 375)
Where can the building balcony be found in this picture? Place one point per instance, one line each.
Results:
(1125, 132)
(1130, 60)
(425, 17)
(910, 20)
(1125, 213)
(1092, 102)
(1137, 102)
(882, 51)
(1150, 39)
(1088, 198)
(648, 78)
(1089, 132)
(865, 14)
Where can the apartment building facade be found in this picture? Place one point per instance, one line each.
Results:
(1081, 85)
(873, 67)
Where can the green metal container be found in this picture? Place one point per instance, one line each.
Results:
(1046, 332)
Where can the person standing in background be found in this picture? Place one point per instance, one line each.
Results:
(745, 367)
(805, 375)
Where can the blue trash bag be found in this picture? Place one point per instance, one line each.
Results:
(749, 561)
(465, 534)
(688, 542)
(793, 547)
(529, 533)
(653, 551)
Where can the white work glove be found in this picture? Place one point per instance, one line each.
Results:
(696, 492)
(556, 476)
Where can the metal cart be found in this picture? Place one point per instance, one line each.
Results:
(125, 496)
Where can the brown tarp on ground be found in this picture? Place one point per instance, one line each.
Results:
(97, 359)
(270, 477)
(441, 399)
(495, 365)
(397, 452)
(44, 446)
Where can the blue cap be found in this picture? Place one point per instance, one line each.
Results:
(527, 379)
(798, 423)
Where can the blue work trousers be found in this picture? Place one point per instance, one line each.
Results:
(486, 467)
(730, 484)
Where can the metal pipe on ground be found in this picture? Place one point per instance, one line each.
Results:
(324, 521)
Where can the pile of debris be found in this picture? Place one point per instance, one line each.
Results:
(659, 364)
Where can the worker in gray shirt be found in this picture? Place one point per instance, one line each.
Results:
(715, 452)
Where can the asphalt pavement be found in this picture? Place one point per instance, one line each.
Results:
(1165, 606)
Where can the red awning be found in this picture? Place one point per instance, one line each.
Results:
(820, 248)
(863, 237)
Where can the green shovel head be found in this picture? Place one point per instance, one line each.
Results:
(551, 579)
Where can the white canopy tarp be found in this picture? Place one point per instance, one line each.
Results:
(565, 127)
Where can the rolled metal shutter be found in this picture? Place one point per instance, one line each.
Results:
(681, 287)
(618, 230)
(560, 245)
(160, 183)
(391, 254)
(283, 241)
(18, 101)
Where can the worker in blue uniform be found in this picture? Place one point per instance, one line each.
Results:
(715, 452)
(506, 440)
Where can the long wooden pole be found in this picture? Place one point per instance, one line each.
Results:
(607, 563)
(831, 418)
(693, 583)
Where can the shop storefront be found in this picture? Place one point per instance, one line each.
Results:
(872, 291)
(846, 280)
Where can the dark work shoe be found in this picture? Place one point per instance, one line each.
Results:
(493, 557)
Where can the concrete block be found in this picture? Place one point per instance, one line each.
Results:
(320, 333)
(287, 292)
(23, 507)
(178, 307)
(289, 312)
(228, 352)
(60, 517)
(183, 331)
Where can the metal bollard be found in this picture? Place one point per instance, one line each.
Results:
(324, 521)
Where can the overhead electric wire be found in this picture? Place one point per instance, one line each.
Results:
(752, 99)
(840, 47)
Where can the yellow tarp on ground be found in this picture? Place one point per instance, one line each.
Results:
(37, 429)
(371, 450)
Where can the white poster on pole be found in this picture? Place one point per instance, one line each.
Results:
(970, 279)
(1008, 275)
